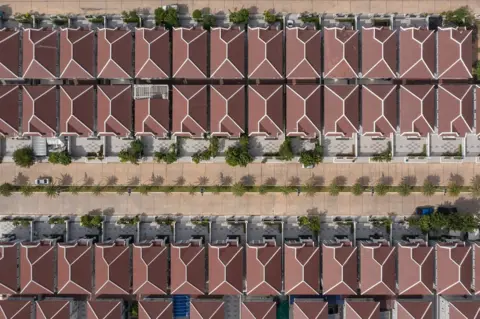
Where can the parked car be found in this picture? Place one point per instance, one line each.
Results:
(43, 181)
(447, 210)
(424, 210)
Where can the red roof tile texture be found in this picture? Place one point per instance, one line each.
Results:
(104, 309)
(464, 309)
(15, 309)
(304, 116)
(77, 60)
(225, 263)
(189, 110)
(152, 59)
(455, 54)
(477, 91)
(152, 117)
(74, 269)
(476, 248)
(417, 53)
(207, 310)
(341, 53)
(114, 110)
(8, 264)
(339, 275)
(265, 110)
(264, 270)
(341, 112)
(379, 110)
(77, 110)
(303, 60)
(455, 110)
(415, 270)
(379, 53)
(227, 110)
(150, 269)
(414, 309)
(454, 269)
(227, 53)
(9, 115)
(39, 54)
(10, 57)
(53, 309)
(112, 270)
(189, 53)
(258, 310)
(306, 309)
(155, 310)
(39, 110)
(362, 310)
(377, 270)
(36, 269)
(301, 274)
(264, 53)
(417, 110)
(187, 270)
(114, 54)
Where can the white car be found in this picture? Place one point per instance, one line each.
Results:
(43, 181)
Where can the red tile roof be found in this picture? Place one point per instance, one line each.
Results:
(10, 58)
(464, 309)
(112, 269)
(265, 57)
(341, 110)
(155, 310)
(189, 110)
(9, 116)
(114, 110)
(455, 54)
(207, 310)
(310, 309)
(36, 269)
(379, 53)
(150, 269)
(377, 270)
(15, 309)
(477, 91)
(227, 57)
(414, 309)
(264, 270)
(379, 110)
(152, 60)
(39, 54)
(53, 309)
(362, 310)
(455, 110)
(476, 248)
(152, 117)
(77, 60)
(104, 309)
(417, 53)
(227, 110)
(265, 110)
(415, 270)
(39, 110)
(77, 110)
(8, 264)
(304, 116)
(341, 53)
(339, 275)
(189, 53)
(187, 270)
(258, 310)
(417, 110)
(301, 270)
(225, 263)
(303, 58)
(74, 270)
(114, 55)
(454, 269)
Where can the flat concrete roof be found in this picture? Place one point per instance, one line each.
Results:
(187, 270)
(362, 310)
(37, 266)
(341, 53)
(114, 110)
(104, 309)
(112, 269)
(342, 115)
(304, 114)
(114, 54)
(310, 309)
(155, 309)
(265, 53)
(417, 110)
(10, 58)
(227, 53)
(454, 53)
(152, 53)
(189, 110)
(75, 268)
(77, 113)
(379, 53)
(417, 53)
(39, 54)
(416, 270)
(379, 110)
(189, 53)
(265, 110)
(8, 264)
(227, 110)
(454, 269)
(464, 309)
(225, 270)
(207, 309)
(414, 309)
(39, 110)
(152, 117)
(377, 270)
(264, 270)
(77, 58)
(339, 273)
(258, 310)
(53, 309)
(304, 55)
(9, 110)
(16, 309)
(455, 110)
(150, 269)
(301, 270)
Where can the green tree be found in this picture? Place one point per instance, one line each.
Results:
(97, 190)
(239, 17)
(51, 191)
(6, 189)
(143, 189)
(461, 17)
(381, 189)
(167, 18)
(62, 158)
(309, 189)
(169, 157)
(238, 189)
(239, 155)
(404, 189)
(132, 153)
(263, 189)
(334, 189)
(24, 156)
(91, 221)
(428, 188)
(269, 17)
(286, 153)
(197, 15)
(312, 157)
(357, 189)
(287, 190)
(454, 189)
(26, 191)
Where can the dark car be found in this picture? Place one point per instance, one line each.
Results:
(447, 210)
(424, 210)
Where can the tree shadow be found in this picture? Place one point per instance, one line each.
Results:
(340, 180)
(294, 181)
(248, 180)
(156, 180)
(434, 179)
(364, 180)
(96, 211)
(133, 181)
(271, 181)
(202, 180)
(180, 181)
(225, 180)
(65, 180)
(87, 180)
(20, 179)
(464, 204)
(316, 180)
(409, 180)
(457, 179)
(111, 180)
(387, 180)
(109, 211)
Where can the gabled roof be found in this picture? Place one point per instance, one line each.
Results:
(15, 309)
(339, 275)
(454, 269)
(227, 110)
(455, 54)
(379, 53)
(39, 110)
(227, 58)
(265, 57)
(455, 110)
(10, 57)
(464, 309)
(155, 310)
(152, 53)
(379, 110)
(264, 270)
(9, 115)
(304, 56)
(341, 53)
(310, 309)
(77, 59)
(74, 270)
(302, 269)
(265, 110)
(414, 309)
(417, 53)
(187, 270)
(114, 110)
(189, 53)
(152, 117)
(189, 110)
(341, 110)
(8, 265)
(104, 309)
(150, 269)
(207, 310)
(36, 269)
(304, 114)
(377, 270)
(77, 110)
(362, 310)
(53, 309)
(415, 270)
(112, 269)
(417, 110)
(258, 310)
(39, 54)
(114, 54)
(225, 264)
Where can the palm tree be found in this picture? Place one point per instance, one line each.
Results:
(97, 190)
(26, 191)
(143, 189)
(428, 188)
(357, 189)
(51, 191)
(238, 189)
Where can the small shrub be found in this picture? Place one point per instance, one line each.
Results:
(197, 15)
(143, 189)
(357, 189)
(91, 221)
(26, 191)
(21, 221)
(238, 189)
(62, 158)
(57, 220)
(269, 17)
(334, 189)
(97, 190)
(24, 157)
(51, 191)
(454, 189)
(428, 188)
(263, 189)
(286, 153)
(239, 17)
(404, 189)
(132, 221)
(381, 189)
